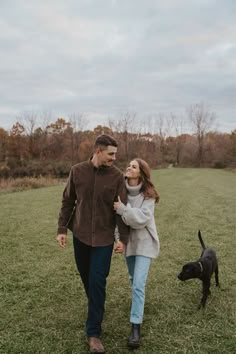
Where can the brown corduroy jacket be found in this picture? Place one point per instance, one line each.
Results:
(87, 204)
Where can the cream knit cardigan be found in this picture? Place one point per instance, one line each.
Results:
(139, 215)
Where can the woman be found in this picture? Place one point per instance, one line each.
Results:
(143, 243)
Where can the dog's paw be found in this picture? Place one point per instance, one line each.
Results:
(201, 306)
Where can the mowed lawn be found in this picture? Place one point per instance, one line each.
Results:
(43, 306)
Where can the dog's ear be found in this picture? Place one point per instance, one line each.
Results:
(192, 267)
(191, 270)
(188, 268)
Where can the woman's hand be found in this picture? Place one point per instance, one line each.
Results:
(119, 247)
(117, 204)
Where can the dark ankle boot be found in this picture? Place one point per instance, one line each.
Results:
(134, 338)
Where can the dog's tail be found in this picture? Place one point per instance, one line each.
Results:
(201, 240)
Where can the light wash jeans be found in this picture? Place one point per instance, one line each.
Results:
(138, 267)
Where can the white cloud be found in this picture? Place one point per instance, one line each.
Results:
(106, 56)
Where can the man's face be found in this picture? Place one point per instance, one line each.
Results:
(107, 156)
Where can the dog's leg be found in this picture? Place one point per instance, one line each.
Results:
(205, 292)
(217, 276)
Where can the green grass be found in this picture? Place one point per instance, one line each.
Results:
(42, 304)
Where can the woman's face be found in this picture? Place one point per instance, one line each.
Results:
(133, 170)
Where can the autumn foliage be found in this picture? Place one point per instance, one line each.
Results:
(52, 150)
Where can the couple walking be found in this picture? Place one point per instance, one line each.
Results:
(98, 203)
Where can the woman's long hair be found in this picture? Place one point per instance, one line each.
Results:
(148, 189)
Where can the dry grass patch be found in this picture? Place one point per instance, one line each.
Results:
(19, 184)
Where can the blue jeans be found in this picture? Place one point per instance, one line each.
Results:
(138, 267)
(93, 264)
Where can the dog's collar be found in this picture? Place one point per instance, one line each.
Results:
(201, 267)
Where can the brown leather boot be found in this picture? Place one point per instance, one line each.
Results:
(95, 345)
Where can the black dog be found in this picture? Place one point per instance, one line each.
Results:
(203, 270)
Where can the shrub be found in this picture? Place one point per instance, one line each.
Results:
(4, 171)
(219, 164)
(61, 169)
(21, 171)
(18, 184)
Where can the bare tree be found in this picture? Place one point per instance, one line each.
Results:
(177, 124)
(146, 125)
(3, 145)
(17, 142)
(30, 122)
(161, 129)
(202, 121)
(46, 118)
(78, 123)
(125, 126)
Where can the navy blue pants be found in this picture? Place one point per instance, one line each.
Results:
(93, 264)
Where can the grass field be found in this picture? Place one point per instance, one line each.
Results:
(42, 304)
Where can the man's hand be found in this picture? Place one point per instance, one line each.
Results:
(119, 247)
(61, 239)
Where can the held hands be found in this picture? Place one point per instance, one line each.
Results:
(61, 239)
(119, 247)
(117, 204)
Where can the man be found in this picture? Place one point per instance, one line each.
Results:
(87, 210)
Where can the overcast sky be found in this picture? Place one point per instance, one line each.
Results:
(105, 57)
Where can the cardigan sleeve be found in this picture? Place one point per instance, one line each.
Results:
(123, 229)
(137, 218)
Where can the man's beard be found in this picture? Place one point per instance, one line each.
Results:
(107, 164)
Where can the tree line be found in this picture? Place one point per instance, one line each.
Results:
(30, 150)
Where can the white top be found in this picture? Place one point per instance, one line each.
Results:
(139, 215)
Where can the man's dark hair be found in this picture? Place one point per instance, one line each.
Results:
(104, 140)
